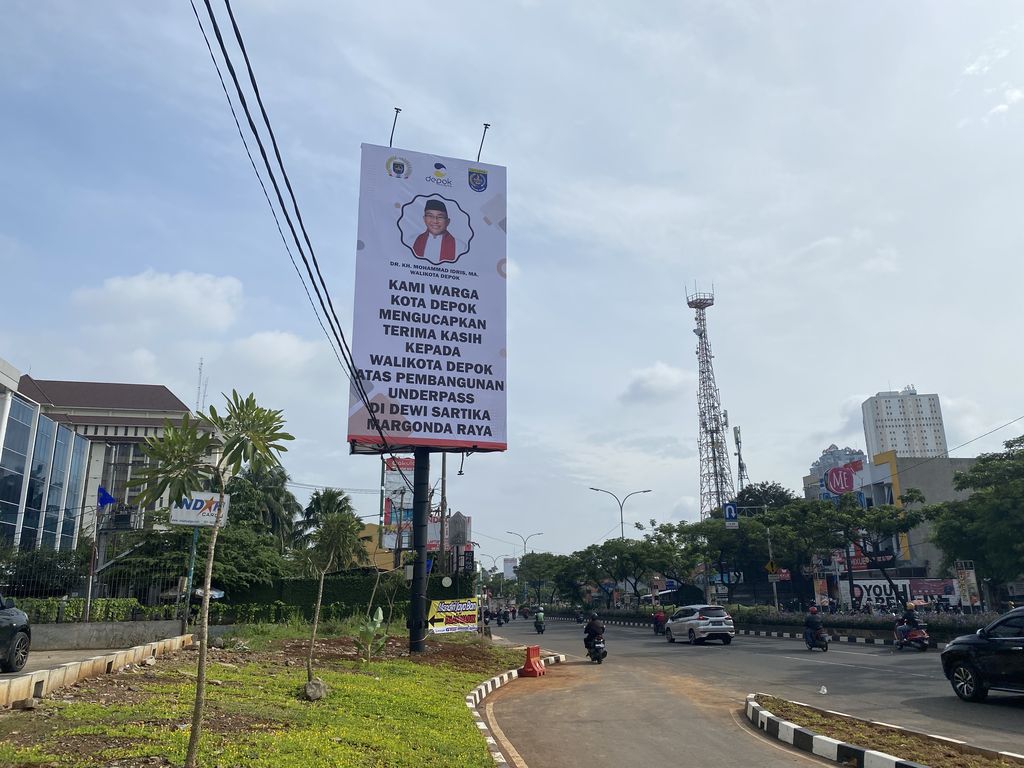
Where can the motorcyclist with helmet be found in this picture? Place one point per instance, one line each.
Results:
(907, 622)
(812, 623)
(593, 630)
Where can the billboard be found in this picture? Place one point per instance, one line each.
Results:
(200, 510)
(396, 531)
(428, 332)
(509, 565)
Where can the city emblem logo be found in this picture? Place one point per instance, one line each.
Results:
(439, 176)
(398, 167)
(477, 179)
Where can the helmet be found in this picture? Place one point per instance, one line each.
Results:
(910, 606)
(593, 616)
(814, 609)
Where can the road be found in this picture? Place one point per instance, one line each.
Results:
(654, 696)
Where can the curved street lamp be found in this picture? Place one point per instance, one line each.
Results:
(525, 539)
(622, 503)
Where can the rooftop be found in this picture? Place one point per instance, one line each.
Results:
(98, 394)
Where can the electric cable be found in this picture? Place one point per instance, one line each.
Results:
(263, 186)
(331, 316)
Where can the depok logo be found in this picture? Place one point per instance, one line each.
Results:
(439, 176)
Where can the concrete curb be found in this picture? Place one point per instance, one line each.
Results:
(835, 637)
(485, 688)
(36, 685)
(841, 752)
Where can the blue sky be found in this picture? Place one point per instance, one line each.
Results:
(848, 179)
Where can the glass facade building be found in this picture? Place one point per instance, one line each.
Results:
(42, 477)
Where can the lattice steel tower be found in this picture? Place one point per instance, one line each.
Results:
(716, 487)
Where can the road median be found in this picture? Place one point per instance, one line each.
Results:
(846, 739)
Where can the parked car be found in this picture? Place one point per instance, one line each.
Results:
(15, 636)
(990, 659)
(697, 623)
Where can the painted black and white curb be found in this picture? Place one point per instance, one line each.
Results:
(835, 636)
(822, 746)
(841, 752)
(487, 687)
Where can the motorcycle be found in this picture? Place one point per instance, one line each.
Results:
(917, 637)
(596, 652)
(539, 627)
(819, 639)
(659, 627)
(579, 618)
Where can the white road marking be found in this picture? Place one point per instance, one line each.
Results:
(858, 666)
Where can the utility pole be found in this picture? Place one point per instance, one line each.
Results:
(444, 513)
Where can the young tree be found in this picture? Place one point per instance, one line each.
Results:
(187, 459)
(322, 503)
(335, 543)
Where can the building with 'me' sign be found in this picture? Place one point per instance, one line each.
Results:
(905, 422)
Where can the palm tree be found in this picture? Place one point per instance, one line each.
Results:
(185, 460)
(278, 506)
(337, 542)
(322, 504)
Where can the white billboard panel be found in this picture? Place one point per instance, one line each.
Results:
(200, 510)
(509, 565)
(428, 333)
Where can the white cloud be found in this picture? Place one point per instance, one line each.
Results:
(658, 383)
(150, 300)
(984, 62)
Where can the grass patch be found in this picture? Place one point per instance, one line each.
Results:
(399, 712)
(902, 744)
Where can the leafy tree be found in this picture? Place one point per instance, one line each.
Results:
(674, 548)
(537, 570)
(765, 494)
(622, 561)
(569, 578)
(878, 525)
(987, 527)
(744, 548)
(336, 541)
(44, 572)
(187, 459)
(805, 529)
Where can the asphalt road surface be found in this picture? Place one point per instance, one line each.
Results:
(651, 700)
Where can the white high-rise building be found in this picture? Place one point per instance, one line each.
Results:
(905, 422)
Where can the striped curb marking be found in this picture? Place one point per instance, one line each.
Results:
(841, 752)
(836, 637)
(36, 685)
(487, 687)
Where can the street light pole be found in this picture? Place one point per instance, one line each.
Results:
(622, 503)
(525, 539)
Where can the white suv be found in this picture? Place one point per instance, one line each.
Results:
(697, 623)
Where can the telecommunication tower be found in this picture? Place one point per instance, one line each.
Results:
(716, 487)
(742, 478)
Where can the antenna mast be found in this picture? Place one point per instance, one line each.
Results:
(199, 387)
(716, 486)
(742, 478)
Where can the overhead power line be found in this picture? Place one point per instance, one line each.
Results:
(323, 296)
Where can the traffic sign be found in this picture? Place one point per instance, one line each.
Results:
(732, 515)
(771, 567)
(772, 578)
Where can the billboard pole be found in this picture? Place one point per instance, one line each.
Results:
(420, 502)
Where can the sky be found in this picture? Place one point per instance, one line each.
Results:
(846, 178)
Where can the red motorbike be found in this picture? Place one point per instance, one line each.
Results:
(917, 637)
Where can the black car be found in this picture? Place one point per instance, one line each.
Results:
(993, 658)
(15, 636)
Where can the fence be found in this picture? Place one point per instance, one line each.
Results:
(129, 574)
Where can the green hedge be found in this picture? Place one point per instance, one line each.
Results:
(47, 610)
